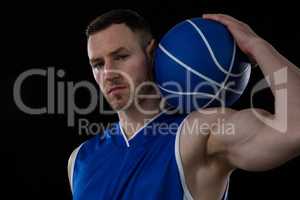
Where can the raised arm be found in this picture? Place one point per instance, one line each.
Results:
(261, 140)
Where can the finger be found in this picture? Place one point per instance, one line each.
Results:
(224, 19)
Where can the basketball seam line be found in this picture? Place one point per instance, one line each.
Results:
(188, 68)
(187, 93)
(216, 63)
(212, 53)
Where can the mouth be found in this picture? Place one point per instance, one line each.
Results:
(115, 89)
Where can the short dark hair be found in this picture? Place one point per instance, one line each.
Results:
(134, 21)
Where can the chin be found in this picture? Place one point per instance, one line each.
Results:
(119, 101)
(119, 105)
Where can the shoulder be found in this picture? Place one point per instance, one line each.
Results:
(196, 133)
(201, 122)
(94, 143)
(209, 115)
(83, 149)
(72, 157)
(71, 163)
(207, 135)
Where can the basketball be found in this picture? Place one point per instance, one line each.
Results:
(198, 65)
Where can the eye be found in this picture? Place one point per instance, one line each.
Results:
(121, 57)
(97, 65)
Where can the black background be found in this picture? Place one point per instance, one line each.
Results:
(35, 149)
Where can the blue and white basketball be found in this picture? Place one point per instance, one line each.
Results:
(198, 65)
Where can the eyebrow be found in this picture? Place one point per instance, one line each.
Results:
(118, 50)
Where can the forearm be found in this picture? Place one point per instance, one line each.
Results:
(271, 61)
(285, 83)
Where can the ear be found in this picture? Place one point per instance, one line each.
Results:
(151, 46)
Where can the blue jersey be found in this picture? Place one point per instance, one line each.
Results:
(147, 166)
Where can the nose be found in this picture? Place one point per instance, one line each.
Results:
(110, 72)
(111, 76)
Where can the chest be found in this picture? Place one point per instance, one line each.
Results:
(129, 173)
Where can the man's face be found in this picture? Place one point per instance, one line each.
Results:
(119, 63)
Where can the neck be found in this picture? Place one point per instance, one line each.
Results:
(134, 118)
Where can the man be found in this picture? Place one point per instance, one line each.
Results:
(127, 162)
